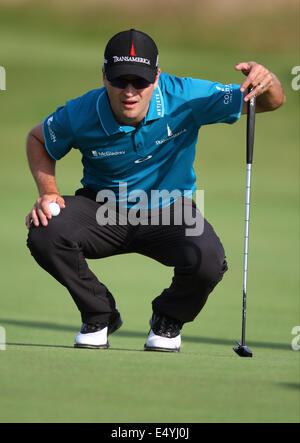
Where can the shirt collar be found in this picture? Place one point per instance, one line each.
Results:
(107, 119)
(156, 109)
(111, 126)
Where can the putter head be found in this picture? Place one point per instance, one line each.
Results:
(243, 351)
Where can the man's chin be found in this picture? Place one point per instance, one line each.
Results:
(130, 118)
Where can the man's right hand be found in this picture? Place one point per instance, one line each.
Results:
(40, 212)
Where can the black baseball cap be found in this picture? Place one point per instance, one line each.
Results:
(131, 52)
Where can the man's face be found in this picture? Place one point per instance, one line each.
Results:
(130, 104)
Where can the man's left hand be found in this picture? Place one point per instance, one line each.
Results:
(261, 80)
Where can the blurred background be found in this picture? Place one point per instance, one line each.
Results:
(53, 51)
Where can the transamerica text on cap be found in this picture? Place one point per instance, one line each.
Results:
(131, 59)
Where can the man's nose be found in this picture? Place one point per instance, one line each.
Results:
(129, 90)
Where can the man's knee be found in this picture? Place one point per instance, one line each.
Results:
(206, 265)
(213, 265)
(41, 239)
(60, 230)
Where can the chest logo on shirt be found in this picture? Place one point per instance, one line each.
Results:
(140, 160)
(171, 135)
(105, 154)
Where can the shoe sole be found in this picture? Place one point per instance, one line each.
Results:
(82, 346)
(156, 349)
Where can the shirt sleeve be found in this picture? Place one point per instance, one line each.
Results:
(213, 102)
(58, 133)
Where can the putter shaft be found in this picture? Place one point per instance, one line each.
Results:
(242, 349)
(246, 242)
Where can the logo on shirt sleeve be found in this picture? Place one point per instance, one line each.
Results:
(51, 132)
(228, 89)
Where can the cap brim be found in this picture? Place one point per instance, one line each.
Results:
(141, 71)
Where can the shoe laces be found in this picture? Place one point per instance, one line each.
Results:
(166, 326)
(88, 328)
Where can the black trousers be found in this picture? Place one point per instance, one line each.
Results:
(62, 247)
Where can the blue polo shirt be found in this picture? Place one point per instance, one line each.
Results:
(156, 156)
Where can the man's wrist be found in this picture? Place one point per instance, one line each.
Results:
(47, 191)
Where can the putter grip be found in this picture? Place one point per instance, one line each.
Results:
(251, 108)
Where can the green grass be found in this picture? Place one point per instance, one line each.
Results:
(42, 378)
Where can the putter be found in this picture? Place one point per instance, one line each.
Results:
(242, 350)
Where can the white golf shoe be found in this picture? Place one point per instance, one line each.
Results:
(164, 334)
(94, 336)
(91, 340)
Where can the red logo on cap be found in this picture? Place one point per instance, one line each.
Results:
(132, 52)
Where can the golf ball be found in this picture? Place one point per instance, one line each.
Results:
(54, 209)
